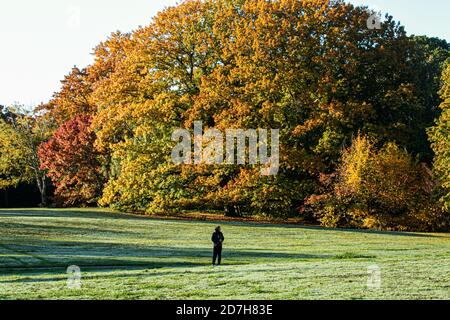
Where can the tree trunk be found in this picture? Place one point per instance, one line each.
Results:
(6, 198)
(44, 194)
(232, 211)
(41, 183)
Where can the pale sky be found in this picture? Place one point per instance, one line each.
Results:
(40, 41)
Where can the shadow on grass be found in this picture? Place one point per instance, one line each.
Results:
(72, 230)
(68, 213)
(100, 250)
(99, 214)
(60, 270)
(107, 254)
(103, 273)
(316, 228)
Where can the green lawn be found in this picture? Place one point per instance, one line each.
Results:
(130, 257)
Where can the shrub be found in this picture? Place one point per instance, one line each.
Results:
(381, 189)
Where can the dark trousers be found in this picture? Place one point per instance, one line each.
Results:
(217, 254)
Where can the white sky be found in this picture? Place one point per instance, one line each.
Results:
(41, 40)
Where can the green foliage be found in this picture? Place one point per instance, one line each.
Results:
(13, 156)
(20, 134)
(440, 138)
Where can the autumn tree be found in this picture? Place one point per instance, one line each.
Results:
(71, 105)
(146, 98)
(379, 188)
(72, 99)
(72, 164)
(21, 132)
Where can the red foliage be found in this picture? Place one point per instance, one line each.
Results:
(72, 163)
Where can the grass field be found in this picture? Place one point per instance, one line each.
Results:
(131, 257)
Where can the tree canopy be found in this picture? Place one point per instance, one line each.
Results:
(440, 137)
(21, 132)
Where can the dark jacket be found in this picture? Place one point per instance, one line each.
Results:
(217, 238)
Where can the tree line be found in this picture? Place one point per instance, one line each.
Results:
(363, 115)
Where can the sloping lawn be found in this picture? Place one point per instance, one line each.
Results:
(130, 257)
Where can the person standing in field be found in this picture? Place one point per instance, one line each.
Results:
(217, 238)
